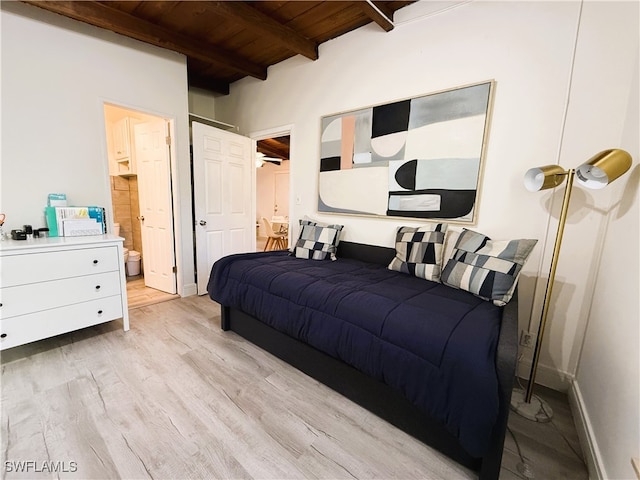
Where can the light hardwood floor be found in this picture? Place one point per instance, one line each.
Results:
(139, 295)
(176, 398)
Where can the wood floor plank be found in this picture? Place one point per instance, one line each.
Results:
(139, 295)
(176, 397)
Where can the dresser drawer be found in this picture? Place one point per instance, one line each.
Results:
(35, 297)
(40, 267)
(36, 326)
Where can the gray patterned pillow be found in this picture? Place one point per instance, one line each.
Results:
(419, 251)
(317, 241)
(486, 268)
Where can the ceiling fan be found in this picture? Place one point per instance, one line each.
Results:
(261, 158)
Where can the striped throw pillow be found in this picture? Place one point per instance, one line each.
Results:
(486, 268)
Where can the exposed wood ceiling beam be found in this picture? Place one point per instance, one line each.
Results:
(117, 21)
(208, 84)
(274, 148)
(372, 11)
(271, 153)
(247, 37)
(248, 16)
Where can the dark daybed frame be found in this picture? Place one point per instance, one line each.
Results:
(378, 397)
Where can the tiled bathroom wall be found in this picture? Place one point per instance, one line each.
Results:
(126, 210)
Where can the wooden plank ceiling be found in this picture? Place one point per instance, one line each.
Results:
(225, 41)
(277, 147)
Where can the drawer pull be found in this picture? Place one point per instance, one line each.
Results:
(97, 287)
(95, 262)
(3, 335)
(99, 312)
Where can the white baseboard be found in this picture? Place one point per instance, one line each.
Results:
(587, 439)
(189, 289)
(547, 376)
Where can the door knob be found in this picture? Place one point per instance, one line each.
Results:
(202, 222)
(141, 218)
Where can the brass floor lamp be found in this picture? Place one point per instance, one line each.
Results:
(598, 172)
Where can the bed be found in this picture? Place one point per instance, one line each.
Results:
(435, 361)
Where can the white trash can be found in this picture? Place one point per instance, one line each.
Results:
(133, 263)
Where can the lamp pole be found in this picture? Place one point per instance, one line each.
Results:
(552, 274)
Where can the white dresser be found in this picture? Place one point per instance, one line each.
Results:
(50, 286)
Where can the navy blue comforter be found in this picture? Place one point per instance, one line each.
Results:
(434, 344)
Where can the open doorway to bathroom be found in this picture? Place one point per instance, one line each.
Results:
(272, 192)
(138, 149)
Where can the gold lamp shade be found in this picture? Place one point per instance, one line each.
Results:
(541, 178)
(603, 168)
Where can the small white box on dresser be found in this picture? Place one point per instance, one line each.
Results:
(50, 286)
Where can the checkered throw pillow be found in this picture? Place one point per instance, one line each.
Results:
(419, 251)
(317, 241)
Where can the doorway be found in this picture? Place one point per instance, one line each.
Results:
(272, 186)
(139, 172)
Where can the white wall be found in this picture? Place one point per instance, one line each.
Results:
(56, 76)
(564, 73)
(606, 391)
(202, 103)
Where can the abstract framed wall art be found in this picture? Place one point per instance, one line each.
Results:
(419, 158)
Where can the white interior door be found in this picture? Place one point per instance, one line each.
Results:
(223, 178)
(281, 206)
(156, 210)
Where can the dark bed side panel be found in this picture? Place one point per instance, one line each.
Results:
(506, 360)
